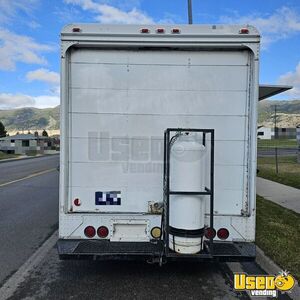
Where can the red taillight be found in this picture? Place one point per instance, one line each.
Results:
(102, 231)
(244, 31)
(175, 30)
(76, 29)
(90, 231)
(210, 233)
(145, 30)
(223, 233)
(160, 30)
(77, 202)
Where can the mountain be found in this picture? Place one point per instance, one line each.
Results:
(288, 113)
(24, 119)
(31, 119)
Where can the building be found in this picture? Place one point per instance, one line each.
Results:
(268, 133)
(265, 133)
(27, 144)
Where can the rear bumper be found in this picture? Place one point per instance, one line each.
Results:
(106, 250)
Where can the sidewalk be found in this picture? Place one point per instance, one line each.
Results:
(281, 194)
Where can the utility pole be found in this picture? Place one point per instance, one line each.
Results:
(190, 11)
(275, 123)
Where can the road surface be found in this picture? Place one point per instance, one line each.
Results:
(270, 151)
(28, 209)
(29, 215)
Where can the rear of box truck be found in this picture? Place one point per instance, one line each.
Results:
(123, 88)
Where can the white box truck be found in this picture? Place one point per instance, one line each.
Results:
(158, 141)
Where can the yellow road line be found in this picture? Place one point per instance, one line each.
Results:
(27, 177)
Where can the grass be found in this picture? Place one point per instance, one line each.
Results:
(277, 234)
(288, 170)
(282, 143)
(6, 156)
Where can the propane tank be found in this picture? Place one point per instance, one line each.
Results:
(186, 212)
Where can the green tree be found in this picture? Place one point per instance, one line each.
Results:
(44, 133)
(3, 132)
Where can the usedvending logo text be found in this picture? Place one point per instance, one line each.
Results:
(264, 285)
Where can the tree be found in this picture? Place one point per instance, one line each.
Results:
(3, 132)
(36, 133)
(44, 133)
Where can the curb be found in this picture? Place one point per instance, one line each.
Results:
(272, 268)
(23, 158)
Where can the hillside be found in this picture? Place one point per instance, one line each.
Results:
(24, 119)
(288, 113)
(32, 119)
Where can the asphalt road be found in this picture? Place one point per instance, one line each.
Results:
(16, 169)
(261, 152)
(28, 209)
(29, 214)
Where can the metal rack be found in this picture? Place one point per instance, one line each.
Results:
(167, 192)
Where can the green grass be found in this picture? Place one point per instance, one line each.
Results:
(288, 170)
(282, 143)
(6, 156)
(277, 234)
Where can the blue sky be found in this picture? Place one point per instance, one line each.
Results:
(29, 38)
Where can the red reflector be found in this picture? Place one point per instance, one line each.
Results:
(145, 30)
(77, 202)
(76, 29)
(90, 231)
(102, 231)
(175, 30)
(244, 30)
(160, 30)
(223, 233)
(210, 233)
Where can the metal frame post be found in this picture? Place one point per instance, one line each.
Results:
(166, 183)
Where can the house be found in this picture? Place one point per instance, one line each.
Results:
(27, 144)
(268, 133)
(265, 133)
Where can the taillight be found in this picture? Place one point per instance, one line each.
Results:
(223, 233)
(77, 202)
(90, 231)
(102, 231)
(156, 232)
(210, 233)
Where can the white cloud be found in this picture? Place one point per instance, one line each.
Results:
(293, 79)
(282, 24)
(9, 8)
(46, 101)
(43, 75)
(15, 100)
(20, 48)
(10, 101)
(109, 14)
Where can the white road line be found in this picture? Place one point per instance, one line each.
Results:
(27, 177)
(12, 284)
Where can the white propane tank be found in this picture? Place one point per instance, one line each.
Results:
(186, 212)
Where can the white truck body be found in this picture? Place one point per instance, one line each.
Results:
(122, 87)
